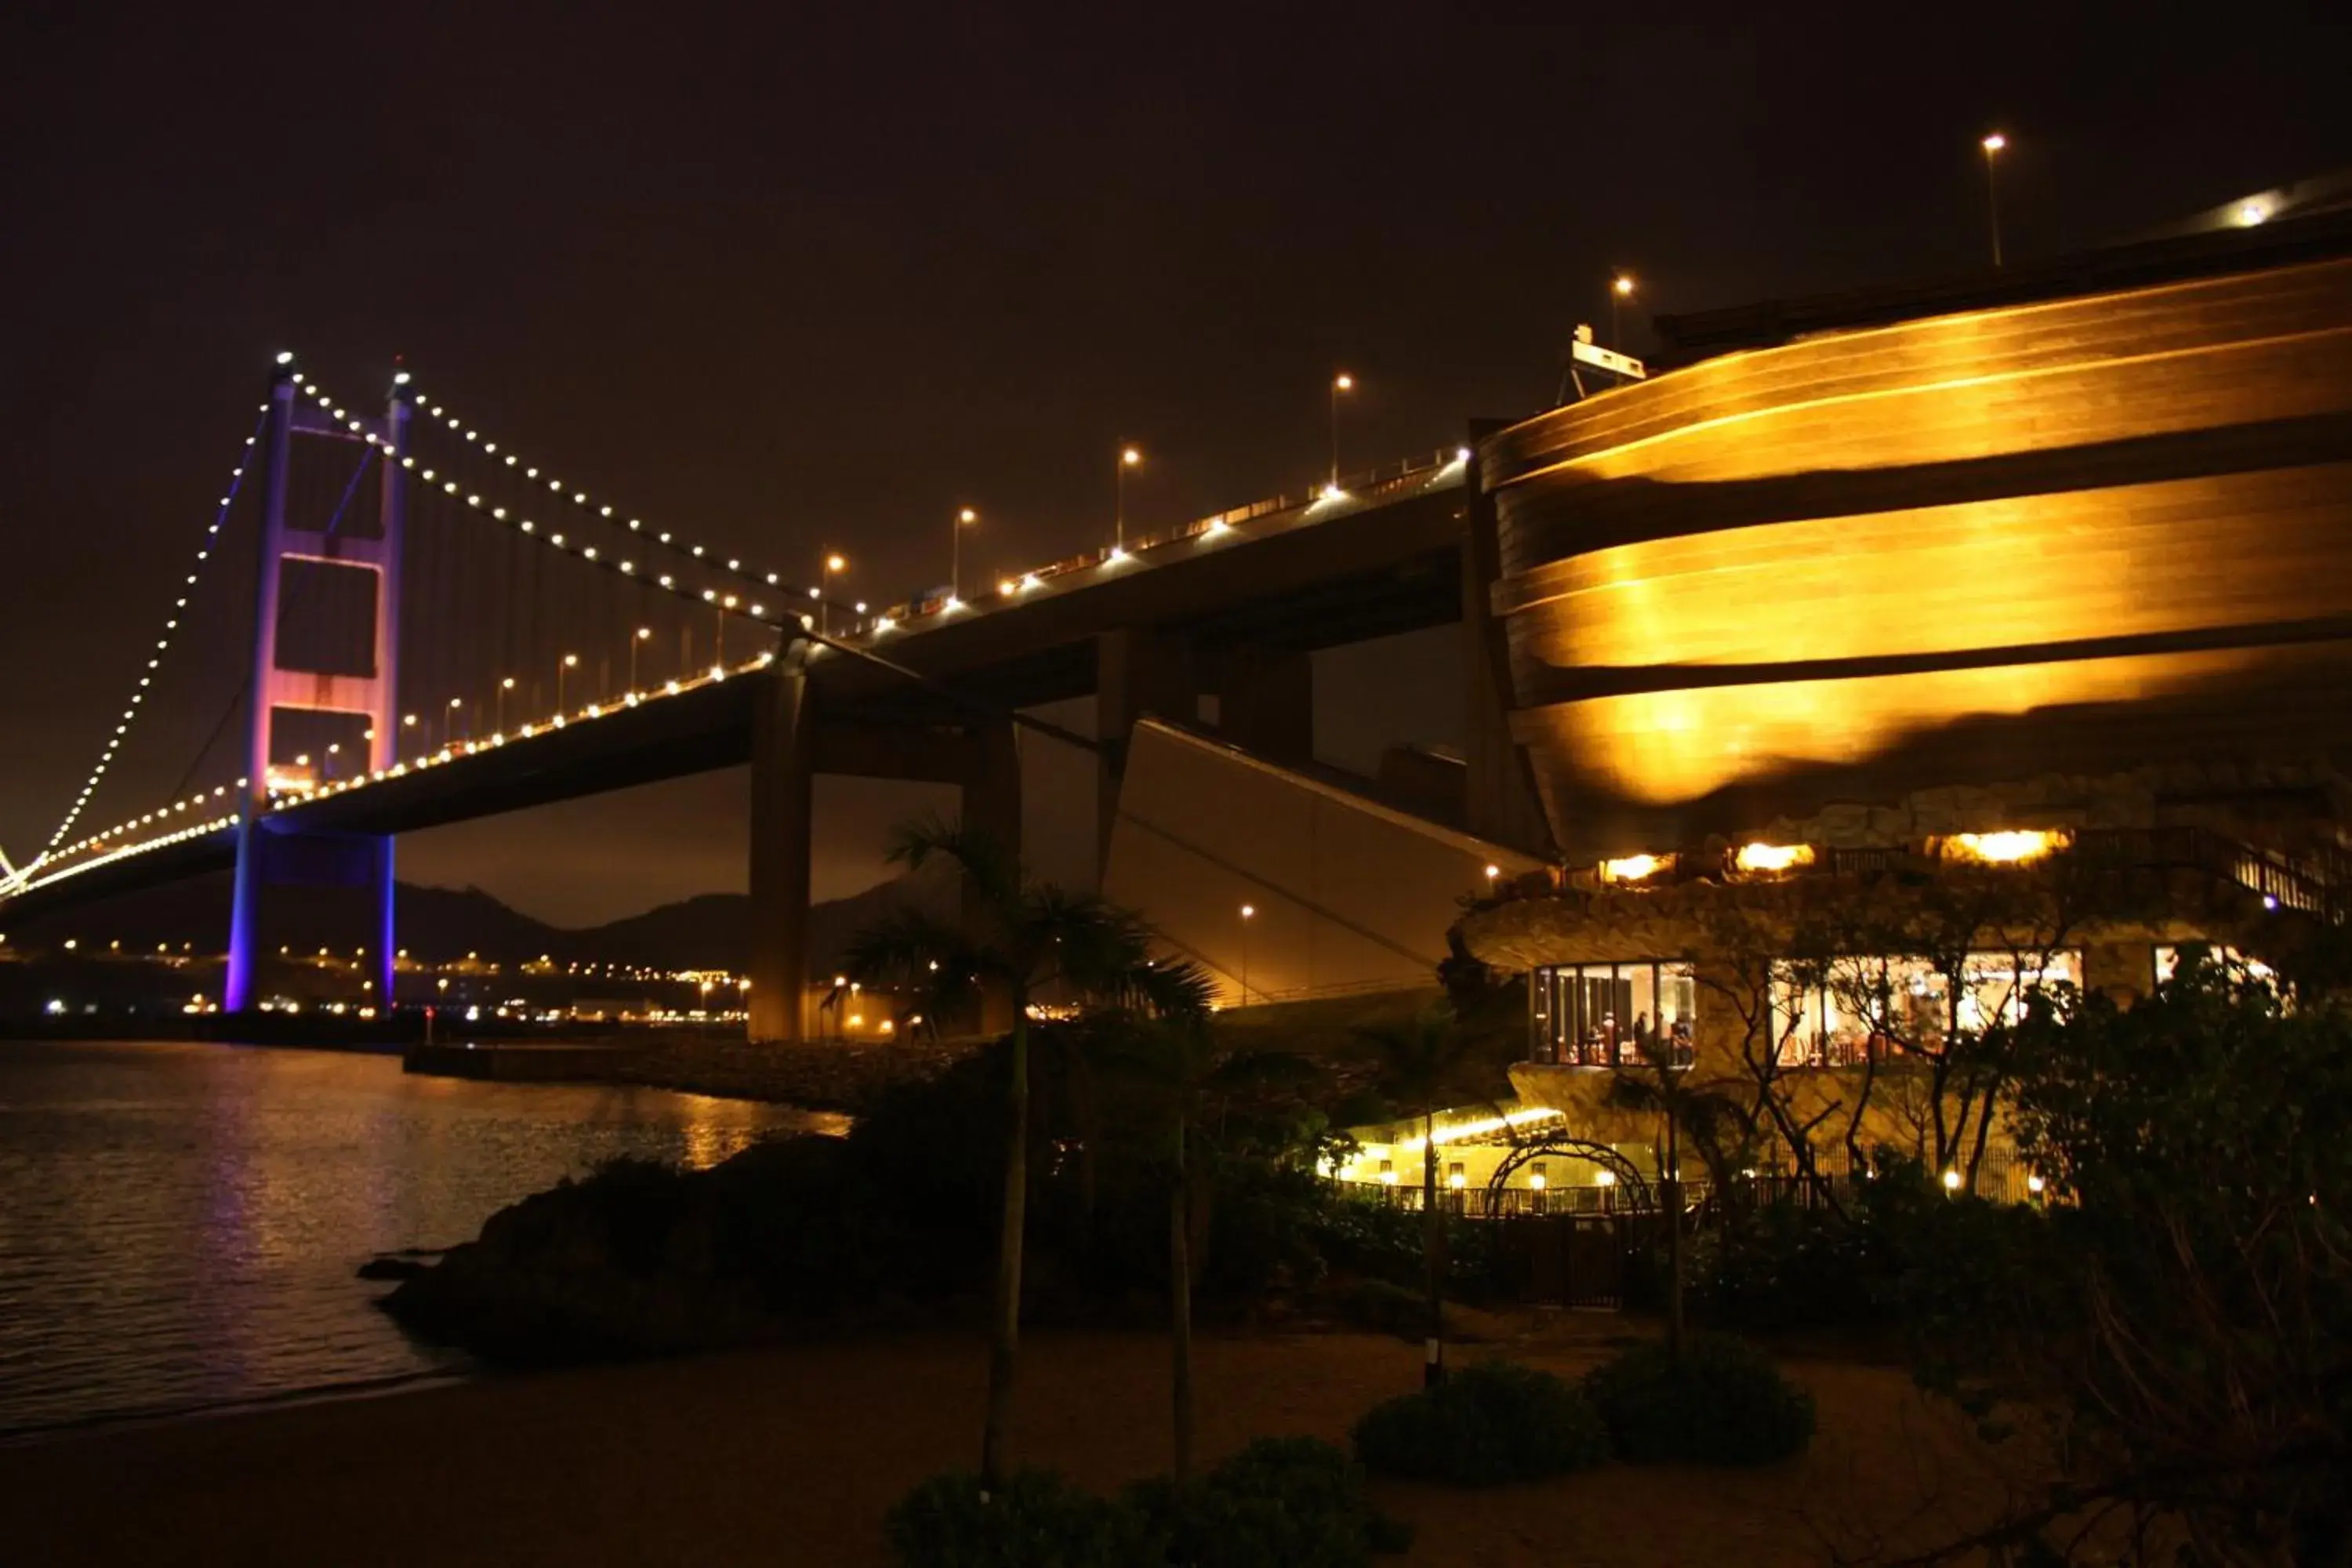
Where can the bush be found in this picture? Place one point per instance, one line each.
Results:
(1783, 1267)
(1282, 1502)
(1036, 1521)
(1366, 1236)
(1384, 1309)
(1492, 1423)
(1722, 1403)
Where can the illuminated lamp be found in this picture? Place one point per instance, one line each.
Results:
(1769, 858)
(1634, 867)
(2008, 848)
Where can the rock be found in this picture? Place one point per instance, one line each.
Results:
(389, 1266)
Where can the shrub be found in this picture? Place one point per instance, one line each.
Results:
(1783, 1267)
(1491, 1422)
(1363, 1236)
(1385, 1309)
(1036, 1521)
(1722, 1403)
(1282, 1502)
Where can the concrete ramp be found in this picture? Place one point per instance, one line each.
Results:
(1347, 893)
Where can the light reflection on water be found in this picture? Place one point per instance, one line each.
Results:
(179, 1224)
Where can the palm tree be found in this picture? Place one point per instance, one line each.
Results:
(1021, 936)
(1175, 1058)
(1422, 1060)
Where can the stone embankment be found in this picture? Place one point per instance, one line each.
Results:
(825, 1075)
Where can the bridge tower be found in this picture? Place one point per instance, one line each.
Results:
(345, 578)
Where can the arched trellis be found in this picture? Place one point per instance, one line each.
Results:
(1628, 1175)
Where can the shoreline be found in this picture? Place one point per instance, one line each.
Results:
(232, 1410)
(793, 1453)
(839, 1077)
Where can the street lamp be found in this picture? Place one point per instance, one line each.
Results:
(1992, 145)
(504, 687)
(1128, 458)
(1620, 289)
(832, 563)
(1340, 383)
(643, 633)
(450, 718)
(570, 662)
(1249, 913)
(964, 519)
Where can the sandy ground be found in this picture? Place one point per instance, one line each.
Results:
(790, 1457)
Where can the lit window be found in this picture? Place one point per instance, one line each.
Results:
(1614, 1014)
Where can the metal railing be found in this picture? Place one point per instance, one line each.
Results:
(1370, 484)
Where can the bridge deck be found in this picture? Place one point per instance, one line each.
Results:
(1321, 574)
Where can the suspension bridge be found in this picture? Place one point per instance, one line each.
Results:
(441, 627)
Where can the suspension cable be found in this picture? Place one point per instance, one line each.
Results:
(163, 645)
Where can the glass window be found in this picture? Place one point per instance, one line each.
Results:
(1854, 1010)
(2167, 961)
(1678, 1010)
(1608, 1015)
(1796, 1018)
(1918, 1005)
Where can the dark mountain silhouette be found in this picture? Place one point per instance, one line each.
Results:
(438, 924)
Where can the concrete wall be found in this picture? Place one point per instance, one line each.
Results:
(1348, 894)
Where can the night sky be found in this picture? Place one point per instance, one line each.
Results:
(794, 279)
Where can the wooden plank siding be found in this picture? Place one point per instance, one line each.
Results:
(2081, 534)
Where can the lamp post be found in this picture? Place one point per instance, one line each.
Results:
(1340, 383)
(964, 519)
(1249, 913)
(644, 635)
(1992, 145)
(504, 687)
(407, 721)
(449, 720)
(570, 661)
(1620, 289)
(832, 563)
(1128, 458)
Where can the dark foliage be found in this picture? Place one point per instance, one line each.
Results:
(897, 1221)
(1383, 1308)
(1036, 1520)
(1789, 1266)
(1722, 1402)
(1491, 1423)
(1364, 1236)
(1282, 1502)
(2181, 1318)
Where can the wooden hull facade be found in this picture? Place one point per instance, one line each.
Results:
(2075, 537)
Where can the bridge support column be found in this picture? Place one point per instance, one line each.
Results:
(1265, 701)
(784, 776)
(1502, 803)
(245, 897)
(991, 802)
(1138, 670)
